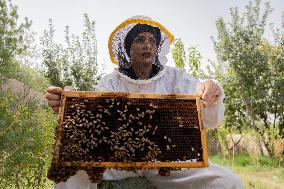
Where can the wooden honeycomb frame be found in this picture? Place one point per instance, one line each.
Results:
(80, 96)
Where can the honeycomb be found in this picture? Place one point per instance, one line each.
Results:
(127, 131)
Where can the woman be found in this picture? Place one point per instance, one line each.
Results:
(139, 46)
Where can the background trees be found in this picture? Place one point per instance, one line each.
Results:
(251, 70)
(26, 122)
(25, 127)
(74, 64)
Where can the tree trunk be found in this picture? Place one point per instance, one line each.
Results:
(17, 180)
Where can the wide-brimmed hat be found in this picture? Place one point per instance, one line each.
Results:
(116, 43)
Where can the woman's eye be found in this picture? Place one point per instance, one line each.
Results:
(152, 40)
(140, 39)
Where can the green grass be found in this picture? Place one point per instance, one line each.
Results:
(256, 173)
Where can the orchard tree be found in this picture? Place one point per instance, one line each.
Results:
(249, 79)
(11, 39)
(75, 63)
(190, 58)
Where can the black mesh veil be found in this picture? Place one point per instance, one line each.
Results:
(121, 38)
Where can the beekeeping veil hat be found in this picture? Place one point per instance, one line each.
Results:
(122, 37)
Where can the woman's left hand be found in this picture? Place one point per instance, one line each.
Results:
(209, 91)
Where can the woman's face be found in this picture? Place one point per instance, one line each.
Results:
(143, 48)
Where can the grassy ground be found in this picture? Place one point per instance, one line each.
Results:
(261, 173)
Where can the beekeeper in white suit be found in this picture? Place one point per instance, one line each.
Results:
(139, 46)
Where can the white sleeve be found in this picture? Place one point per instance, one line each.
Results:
(186, 83)
(80, 180)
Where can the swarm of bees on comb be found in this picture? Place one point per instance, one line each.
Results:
(124, 130)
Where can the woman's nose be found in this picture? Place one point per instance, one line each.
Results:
(148, 44)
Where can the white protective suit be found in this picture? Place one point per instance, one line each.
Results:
(168, 80)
